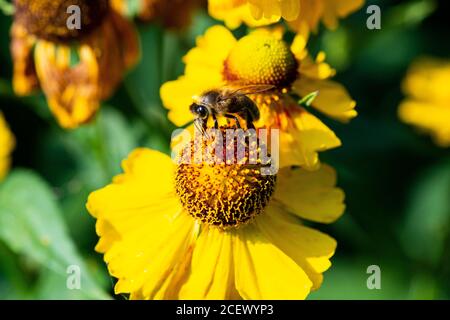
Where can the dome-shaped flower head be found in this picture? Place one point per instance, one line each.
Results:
(174, 14)
(427, 105)
(7, 143)
(263, 58)
(210, 230)
(299, 14)
(76, 66)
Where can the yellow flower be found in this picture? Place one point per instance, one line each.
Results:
(174, 14)
(214, 231)
(299, 14)
(76, 68)
(262, 57)
(427, 105)
(7, 143)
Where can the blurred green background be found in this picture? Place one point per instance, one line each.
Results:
(397, 182)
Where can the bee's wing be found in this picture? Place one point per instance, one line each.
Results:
(245, 90)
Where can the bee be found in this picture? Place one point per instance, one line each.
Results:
(227, 102)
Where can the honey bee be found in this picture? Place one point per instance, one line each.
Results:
(227, 102)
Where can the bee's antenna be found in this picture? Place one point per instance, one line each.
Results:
(200, 128)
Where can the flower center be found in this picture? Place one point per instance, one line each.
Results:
(57, 20)
(222, 193)
(261, 59)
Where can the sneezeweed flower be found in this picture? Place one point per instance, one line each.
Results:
(427, 105)
(299, 14)
(76, 68)
(174, 14)
(180, 230)
(263, 58)
(7, 143)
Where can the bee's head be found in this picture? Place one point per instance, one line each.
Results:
(199, 110)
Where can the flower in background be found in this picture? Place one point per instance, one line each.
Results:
(76, 68)
(7, 143)
(263, 58)
(427, 105)
(214, 231)
(302, 15)
(174, 14)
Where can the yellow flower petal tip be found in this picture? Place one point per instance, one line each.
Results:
(7, 143)
(427, 105)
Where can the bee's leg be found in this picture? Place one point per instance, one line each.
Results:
(216, 123)
(230, 116)
(248, 119)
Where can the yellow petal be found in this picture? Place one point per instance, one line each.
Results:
(427, 80)
(7, 143)
(204, 65)
(25, 79)
(332, 99)
(298, 46)
(309, 17)
(335, 9)
(310, 195)
(263, 271)
(309, 248)
(316, 69)
(429, 116)
(146, 236)
(211, 51)
(235, 12)
(71, 91)
(134, 195)
(149, 257)
(300, 144)
(211, 275)
(290, 9)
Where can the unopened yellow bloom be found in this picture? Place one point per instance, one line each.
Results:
(262, 57)
(300, 14)
(76, 68)
(7, 143)
(427, 105)
(214, 231)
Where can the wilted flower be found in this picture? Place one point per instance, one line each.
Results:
(76, 68)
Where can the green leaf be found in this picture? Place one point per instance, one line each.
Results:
(347, 280)
(31, 225)
(428, 216)
(410, 13)
(307, 100)
(99, 148)
(6, 7)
